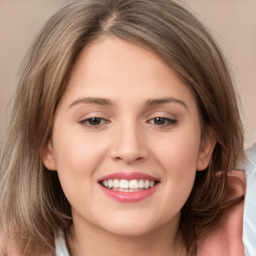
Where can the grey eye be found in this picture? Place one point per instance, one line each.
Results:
(163, 121)
(94, 121)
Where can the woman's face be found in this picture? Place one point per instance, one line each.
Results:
(126, 141)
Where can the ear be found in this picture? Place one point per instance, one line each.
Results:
(207, 146)
(48, 157)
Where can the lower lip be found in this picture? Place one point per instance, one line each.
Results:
(129, 196)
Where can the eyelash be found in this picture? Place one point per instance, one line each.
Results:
(167, 121)
(162, 121)
(87, 121)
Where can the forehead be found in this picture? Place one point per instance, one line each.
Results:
(114, 68)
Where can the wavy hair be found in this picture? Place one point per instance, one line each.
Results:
(32, 204)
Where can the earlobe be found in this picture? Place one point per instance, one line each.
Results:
(207, 146)
(48, 157)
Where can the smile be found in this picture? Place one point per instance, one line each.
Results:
(128, 187)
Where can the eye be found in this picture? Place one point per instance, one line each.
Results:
(94, 121)
(162, 121)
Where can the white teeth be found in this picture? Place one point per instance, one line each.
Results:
(128, 186)
(141, 183)
(146, 184)
(124, 184)
(109, 184)
(133, 184)
(116, 183)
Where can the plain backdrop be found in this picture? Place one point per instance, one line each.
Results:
(231, 22)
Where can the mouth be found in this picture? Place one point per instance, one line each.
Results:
(128, 187)
(124, 185)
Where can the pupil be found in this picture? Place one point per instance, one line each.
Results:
(159, 120)
(94, 121)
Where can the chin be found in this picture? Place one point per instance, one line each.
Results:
(130, 230)
(132, 226)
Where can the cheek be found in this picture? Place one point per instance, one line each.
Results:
(178, 157)
(179, 152)
(76, 153)
(77, 157)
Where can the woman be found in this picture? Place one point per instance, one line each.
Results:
(124, 130)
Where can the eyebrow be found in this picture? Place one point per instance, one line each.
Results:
(152, 102)
(98, 101)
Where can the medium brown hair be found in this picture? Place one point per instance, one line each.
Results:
(32, 204)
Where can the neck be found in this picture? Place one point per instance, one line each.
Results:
(91, 240)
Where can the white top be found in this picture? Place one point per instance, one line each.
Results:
(61, 247)
(249, 221)
(249, 224)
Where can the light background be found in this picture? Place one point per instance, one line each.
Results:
(231, 22)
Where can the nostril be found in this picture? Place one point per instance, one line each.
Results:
(128, 158)
(129, 147)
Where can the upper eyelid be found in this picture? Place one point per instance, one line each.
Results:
(162, 114)
(94, 114)
(170, 117)
(148, 114)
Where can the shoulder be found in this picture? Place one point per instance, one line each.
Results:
(236, 184)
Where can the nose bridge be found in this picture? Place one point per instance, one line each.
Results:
(129, 144)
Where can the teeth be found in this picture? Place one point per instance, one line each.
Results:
(116, 183)
(146, 184)
(128, 185)
(141, 183)
(124, 184)
(133, 184)
(109, 183)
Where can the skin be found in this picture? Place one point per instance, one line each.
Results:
(127, 138)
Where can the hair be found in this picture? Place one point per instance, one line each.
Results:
(33, 207)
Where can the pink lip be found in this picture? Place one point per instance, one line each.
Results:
(128, 176)
(128, 196)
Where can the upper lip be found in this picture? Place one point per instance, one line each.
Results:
(128, 176)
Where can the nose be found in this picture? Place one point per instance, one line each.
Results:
(129, 144)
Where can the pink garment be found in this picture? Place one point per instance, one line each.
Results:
(226, 239)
